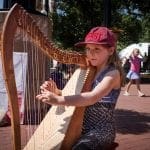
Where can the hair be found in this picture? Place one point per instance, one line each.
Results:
(116, 62)
(135, 50)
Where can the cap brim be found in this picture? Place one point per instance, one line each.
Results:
(84, 43)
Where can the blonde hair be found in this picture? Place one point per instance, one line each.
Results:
(135, 50)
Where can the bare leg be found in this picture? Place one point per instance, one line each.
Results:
(126, 93)
(128, 85)
(138, 87)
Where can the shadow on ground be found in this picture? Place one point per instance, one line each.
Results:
(132, 122)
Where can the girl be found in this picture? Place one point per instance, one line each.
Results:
(98, 125)
(134, 72)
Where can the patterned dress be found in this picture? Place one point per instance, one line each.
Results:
(98, 123)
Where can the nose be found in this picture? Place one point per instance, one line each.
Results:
(90, 52)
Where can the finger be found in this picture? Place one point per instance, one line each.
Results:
(45, 84)
(41, 96)
(42, 87)
(50, 79)
(45, 100)
(45, 91)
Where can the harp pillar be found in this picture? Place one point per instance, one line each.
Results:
(45, 24)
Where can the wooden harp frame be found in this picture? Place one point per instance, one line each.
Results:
(13, 20)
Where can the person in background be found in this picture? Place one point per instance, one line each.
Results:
(69, 70)
(125, 65)
(98, 130)
(134, 72)
(57, 76)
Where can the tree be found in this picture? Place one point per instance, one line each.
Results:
(72, 19)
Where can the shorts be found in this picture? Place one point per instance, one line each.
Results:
(133, 75)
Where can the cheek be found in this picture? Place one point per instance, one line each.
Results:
(88, 55)
(103, 55)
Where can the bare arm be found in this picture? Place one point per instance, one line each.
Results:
(110, 81)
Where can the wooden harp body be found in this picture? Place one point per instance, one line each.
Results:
(53, 132)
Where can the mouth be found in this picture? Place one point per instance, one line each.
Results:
(93, 59)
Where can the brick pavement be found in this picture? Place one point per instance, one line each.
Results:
(133, 120)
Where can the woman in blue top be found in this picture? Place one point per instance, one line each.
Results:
(98, 125)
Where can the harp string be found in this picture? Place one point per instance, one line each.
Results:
(34, 75)
(40, 67)
(51, 51)
(33, 78)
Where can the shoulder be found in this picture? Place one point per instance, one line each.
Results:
(114, 72)
(141, 58)
(113, 77)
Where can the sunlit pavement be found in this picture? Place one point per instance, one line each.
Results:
(133, 120)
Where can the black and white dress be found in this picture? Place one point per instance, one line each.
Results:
(98, 123)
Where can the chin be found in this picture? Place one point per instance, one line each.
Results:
(94, 64)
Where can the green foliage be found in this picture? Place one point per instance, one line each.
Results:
(145, 35)
(132, 30)
(72, 19)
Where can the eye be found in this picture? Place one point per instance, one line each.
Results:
(97, 50)
(87, 49)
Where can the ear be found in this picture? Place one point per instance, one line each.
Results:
(111, 50)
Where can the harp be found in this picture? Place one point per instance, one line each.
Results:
(44, 137)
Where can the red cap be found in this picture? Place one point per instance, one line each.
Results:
(99, 35)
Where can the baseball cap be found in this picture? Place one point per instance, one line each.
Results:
(99, 35)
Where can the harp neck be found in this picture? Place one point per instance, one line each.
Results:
(17, 17)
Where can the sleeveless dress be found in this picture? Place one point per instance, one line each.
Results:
(98, 123)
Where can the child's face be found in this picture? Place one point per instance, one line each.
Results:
(136, 52)
(97, 54)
